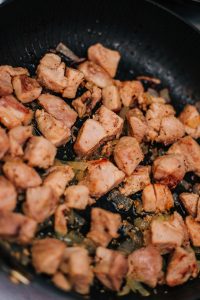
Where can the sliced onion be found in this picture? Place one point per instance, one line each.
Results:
(63, 49)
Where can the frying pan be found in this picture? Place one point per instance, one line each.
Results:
(151, 40)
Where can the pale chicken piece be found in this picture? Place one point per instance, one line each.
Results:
(8, 195)
(17, 138)
(130, 91)
(26, 89)
(101, 177)
(77, 196)
(52, 129)
(137, 124)
(95, 74)
(193, 228)
(14, 71)
(157, 198)
(6, 87)
(111, 122)
(60, 219)
(110, 268)
(57, 107)
(40, 203)
(191, 120)
(89, 138)
(137, 181)
(128, 154)
(17, 227)
(74, 79)
(4, 143)
(190, 150)
(51, 73)
(47, 255)
(58, 177)
(21, 175)
(111, 98)
(169, 234)
(61, 281)
(76, 264)
(169, 169)
(40, 152)
(13, 113)
(190, 201)
(182, 265)
(104, 226)
(145, 265)
(106, 58)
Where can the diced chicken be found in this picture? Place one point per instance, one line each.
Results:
(14, 71)
(17, 137)
(52, 129)
(128, 154)
(61, 281)
(169, 234)
(40, 152)
(157, 198)
(89, 137)
(191, 120)
(8, 195)
(111, 98)
(146, 99)
(74, 79)
(4, 143)
(169, 169)
(111, 268)
(130, 92)
(104, 57)
(51, 73)
(104, 226)
(145, 265)
(101, 177)
(77, 196)
(17, 227)
(5, 83)
(26, 89)
(60, 219)
(57, 107)
(13, 113)
(95, 74)
(21, 175)
(190, 149)
(136, 181)
(190, 201)
(181, 267)
(137, 124)
(58, 177)
(194, 230)
(47, 255)
(40, 203)
(111, 122)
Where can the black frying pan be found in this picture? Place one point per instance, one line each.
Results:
(151, 40)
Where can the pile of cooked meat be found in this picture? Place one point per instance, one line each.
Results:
(120, 124)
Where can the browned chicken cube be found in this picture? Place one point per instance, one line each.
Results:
(191, 120)
(145, 265)
(40, 203)
(110, 268)
(21, 175)
(5, 83)
(95, 74)
(136, 181)
(194, 230)
(4, 143)
(104, 57)
(101, 177)
(57, 107)
(190, 201)
(111, 98)
(182, 265)
(14, 71)
(13, 113)
(17, 138)
(26, 89)
(8, 195)
(157, 198)
(169, 169)
(77, 196)
(128, 154)
(60, 219)
(89, 137)
(130, 91)
(137, 124)
(40, 152)
(47, 255)
(61, 281)
(74, 79)
(51, 73)
(104, 226)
